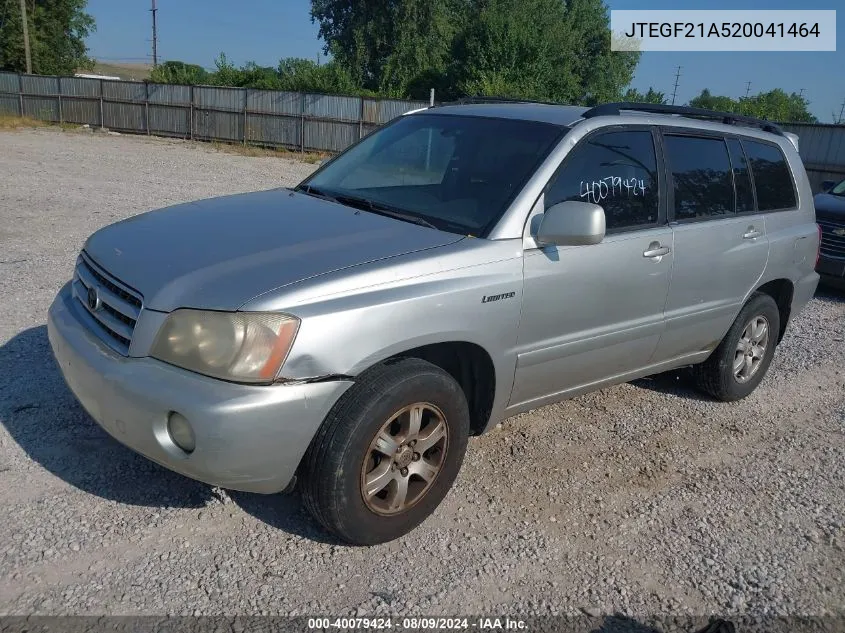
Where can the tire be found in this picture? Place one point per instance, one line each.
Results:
(344, 458)
(717, 376)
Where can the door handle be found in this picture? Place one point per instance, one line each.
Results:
(751, 234)
(656, 250)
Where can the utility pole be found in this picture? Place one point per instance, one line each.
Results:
(154, 10)
(747, 89)
(801, 93)
(26, 38)
(841, 113)
(677, 79)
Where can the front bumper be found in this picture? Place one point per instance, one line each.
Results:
(248, 437)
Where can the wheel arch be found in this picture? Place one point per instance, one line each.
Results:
(782, 291)
(472, 368)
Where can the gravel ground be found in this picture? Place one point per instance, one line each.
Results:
(643, 499)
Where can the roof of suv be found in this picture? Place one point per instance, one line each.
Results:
(566, 115)
(545, 113)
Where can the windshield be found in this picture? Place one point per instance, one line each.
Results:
(838, 190)
(456, 173)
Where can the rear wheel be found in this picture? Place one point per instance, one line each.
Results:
(740, 362)
(387, 453)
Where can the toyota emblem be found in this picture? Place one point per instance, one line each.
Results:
(93, 299)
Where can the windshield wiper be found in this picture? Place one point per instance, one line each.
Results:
(311, 190)
(382, 209)
(365, 205)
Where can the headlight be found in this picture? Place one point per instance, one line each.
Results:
(237, 346)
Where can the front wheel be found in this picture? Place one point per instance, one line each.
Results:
(741, 360)
(387, 453)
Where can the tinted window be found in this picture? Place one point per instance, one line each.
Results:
(457, 172)
(617, 170)
(701, 171)
(772, 177)
(742, 177)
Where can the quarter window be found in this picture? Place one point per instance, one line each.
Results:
(617, 170)
(701, 173)
(772, 177)
(742, 177)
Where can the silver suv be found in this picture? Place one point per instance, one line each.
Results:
(461, 265)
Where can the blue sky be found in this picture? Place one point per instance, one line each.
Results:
(267, 30)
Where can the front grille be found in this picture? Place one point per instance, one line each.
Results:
(833, 238)
(116, 309)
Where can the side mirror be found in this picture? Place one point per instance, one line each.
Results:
(827, 185)
(572, 224)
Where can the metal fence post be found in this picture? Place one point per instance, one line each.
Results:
(102, 113)
(191, 115)
(20, 92)
(61, 110)
(246, 105)
(147, 107)
(302, 127)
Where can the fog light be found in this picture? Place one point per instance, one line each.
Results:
(181, 433)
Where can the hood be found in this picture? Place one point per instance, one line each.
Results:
(218, 254)
(828, 205)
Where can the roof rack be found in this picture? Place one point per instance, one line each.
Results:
(729, 118)
(479, 100)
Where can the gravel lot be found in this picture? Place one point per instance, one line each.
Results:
(643, 499)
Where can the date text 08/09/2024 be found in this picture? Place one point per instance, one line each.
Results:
(416, 624)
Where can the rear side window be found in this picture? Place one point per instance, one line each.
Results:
(772, 177)
(701, 173)
(617, 170)
(742, 177)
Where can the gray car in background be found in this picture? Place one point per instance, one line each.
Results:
(461, 265)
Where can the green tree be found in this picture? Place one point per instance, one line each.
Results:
(303, 75)
(601, 73)
(358, 34)
(294, 74)
(420, 57)
(515, 48)
(538, 49)
(775, 105)
(176, 72)
(57, 32)
(709, 101)
(652, 96)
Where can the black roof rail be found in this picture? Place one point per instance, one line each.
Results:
(479, 100)
(612, 109)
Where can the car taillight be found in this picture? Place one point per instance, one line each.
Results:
(819, 246)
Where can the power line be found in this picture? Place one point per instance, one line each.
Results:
(154, 10)
(26, 38)
(677, 79)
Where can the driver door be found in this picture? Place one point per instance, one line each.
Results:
(595, 313)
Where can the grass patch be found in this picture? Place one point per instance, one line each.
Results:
(15, 122)
(271, 152)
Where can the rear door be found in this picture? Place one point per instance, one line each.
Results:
(721, 247)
